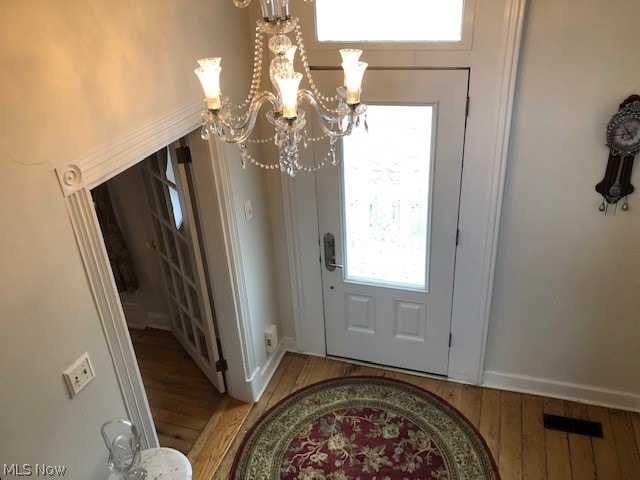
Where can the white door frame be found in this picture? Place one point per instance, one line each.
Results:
(492, 93)
(76, 180)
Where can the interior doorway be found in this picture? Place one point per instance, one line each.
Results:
(149, 225)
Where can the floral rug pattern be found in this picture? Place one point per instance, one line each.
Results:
(363, 428)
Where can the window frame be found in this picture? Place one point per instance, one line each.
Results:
(306, 13)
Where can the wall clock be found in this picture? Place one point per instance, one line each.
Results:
(623, 140)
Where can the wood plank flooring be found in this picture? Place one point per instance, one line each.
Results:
(181, 398)
(511, 423)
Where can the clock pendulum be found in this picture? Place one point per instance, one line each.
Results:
(623, 140)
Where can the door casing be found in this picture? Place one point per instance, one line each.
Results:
(493, 62)
(76, 180)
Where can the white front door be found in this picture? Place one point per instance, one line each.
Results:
(168, 187)
(391, 207)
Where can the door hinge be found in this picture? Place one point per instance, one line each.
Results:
(467, 107)
(457, 237)
(184, 154)
(450, 336)
(221, 365)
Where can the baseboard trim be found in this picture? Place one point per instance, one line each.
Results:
(159, 321)
(261, 380)
(290, 344)
(566, 391)
(136, 326)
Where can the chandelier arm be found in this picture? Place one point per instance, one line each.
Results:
(326, 120)
(221, 125)
(324, 113)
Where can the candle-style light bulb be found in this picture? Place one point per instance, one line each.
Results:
(288, 88)
(353, 74)
(291, 53)
(209, 75)
(209, 62)
(350, 56)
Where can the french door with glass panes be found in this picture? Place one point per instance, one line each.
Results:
(177, 243)
(388, 216)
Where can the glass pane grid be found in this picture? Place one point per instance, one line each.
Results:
(175, 315)
(166, 270)
(157, 234)
(151, 200)
(170, 226)
(386, 195)
(202, 343)
(171, 251)
(184, 249)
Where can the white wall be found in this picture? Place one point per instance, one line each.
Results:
(565, 306)
(48, 319)
(256, 247)
(77, 76)
(148, 305)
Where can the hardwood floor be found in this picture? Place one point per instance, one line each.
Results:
(181, 398)
(191, 416)
(511, 423)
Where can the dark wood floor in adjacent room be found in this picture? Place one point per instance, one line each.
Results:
(181, 398)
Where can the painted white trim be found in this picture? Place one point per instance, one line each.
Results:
(232, 244)
(567, 391)
(480, 209)
(261, 380)
(290, 344)
(510, 72)
(460, 367)
(159, 321)
(76, 179)
(94, 256)
(98, 167)
(292, 232)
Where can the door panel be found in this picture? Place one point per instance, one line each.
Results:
(192, 316)
(392, 205)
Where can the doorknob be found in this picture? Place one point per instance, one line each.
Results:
(330, 252)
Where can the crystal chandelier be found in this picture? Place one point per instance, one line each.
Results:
(337, 115)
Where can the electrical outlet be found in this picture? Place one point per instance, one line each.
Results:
(78, 374)
(248, 210)
(271, 338)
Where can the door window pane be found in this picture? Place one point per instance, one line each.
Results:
(384, 21)
(386, 196)
(173, 193)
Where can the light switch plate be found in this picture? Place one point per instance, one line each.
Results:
(79, 374)
(248, 210)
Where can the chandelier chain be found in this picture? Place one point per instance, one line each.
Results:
(322, 99)
(258, 56)
(330, 155)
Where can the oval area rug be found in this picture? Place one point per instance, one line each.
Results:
(363, 428)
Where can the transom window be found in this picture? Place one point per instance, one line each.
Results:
(385, 21)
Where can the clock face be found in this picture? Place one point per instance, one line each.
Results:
(627, 133)
(623, 134)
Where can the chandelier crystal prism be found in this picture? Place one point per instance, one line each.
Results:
(336, 115)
